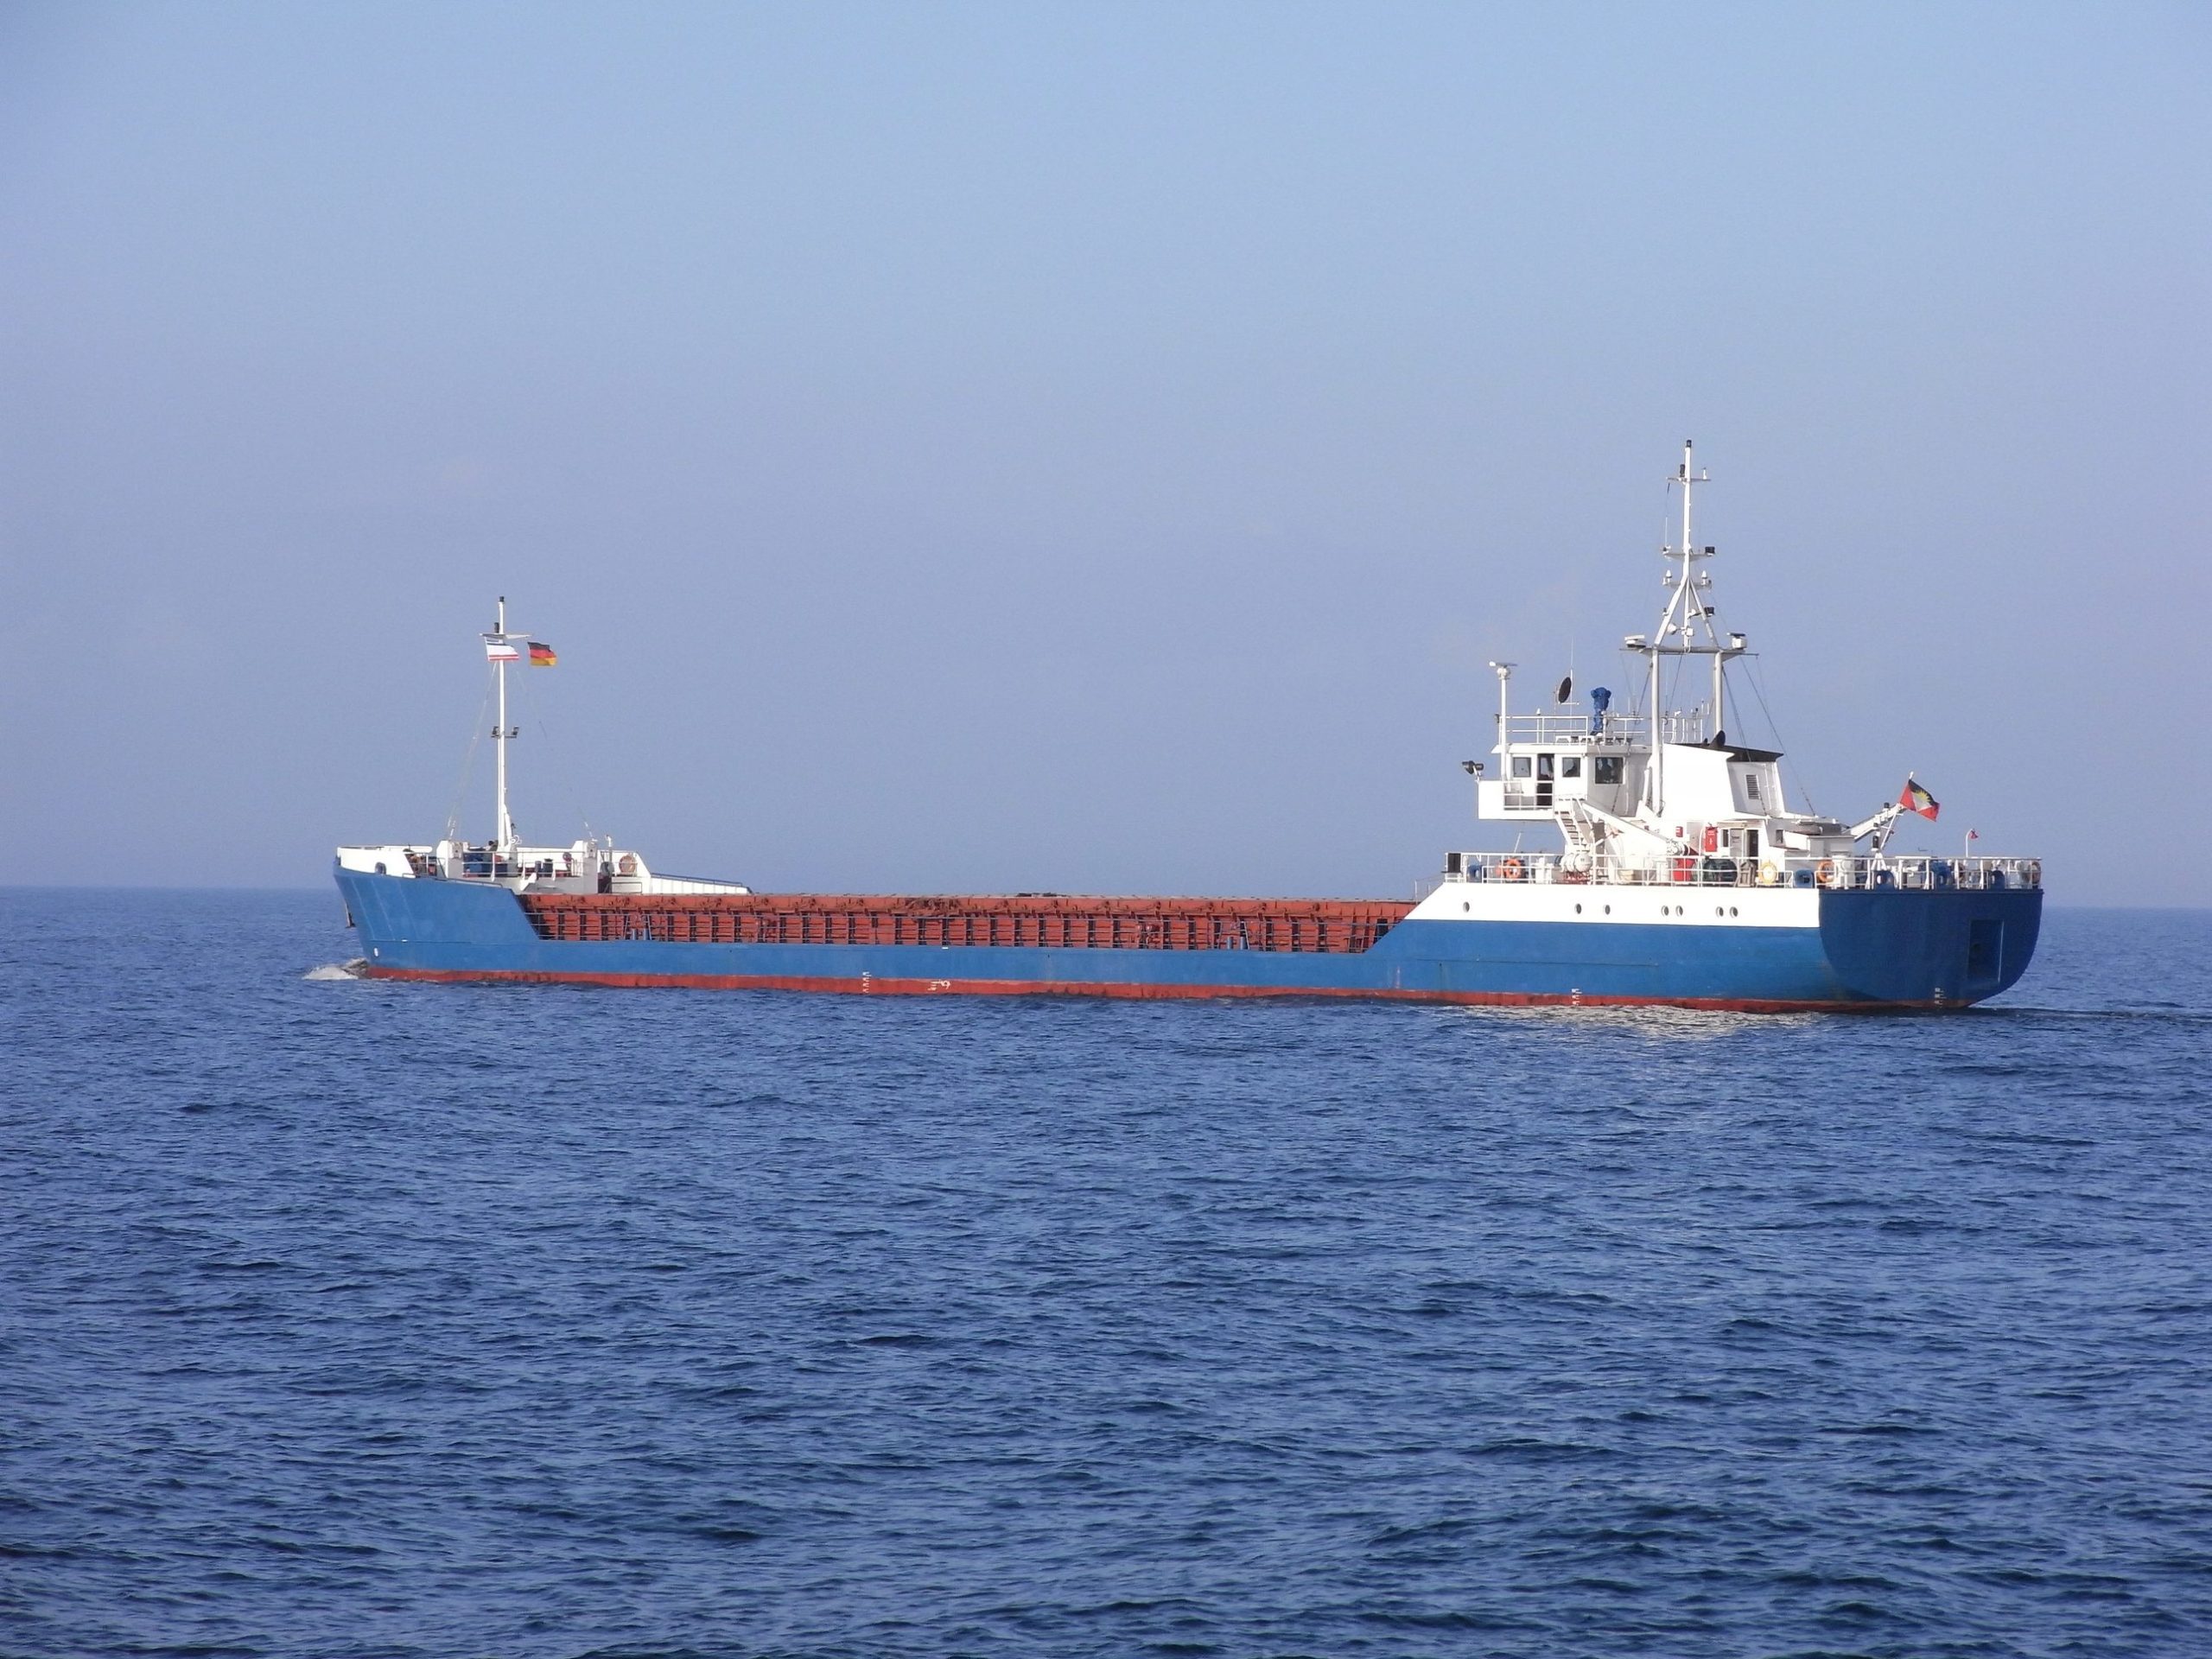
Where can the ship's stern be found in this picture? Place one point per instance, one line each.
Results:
(1941, 950)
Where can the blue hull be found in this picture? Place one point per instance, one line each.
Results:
(1871, 950)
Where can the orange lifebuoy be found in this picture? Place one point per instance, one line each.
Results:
(1825, 874)
(627, 865)
(1510, 870)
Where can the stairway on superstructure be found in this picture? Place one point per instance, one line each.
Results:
(1586, 846)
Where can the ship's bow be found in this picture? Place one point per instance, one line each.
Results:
(411, 925)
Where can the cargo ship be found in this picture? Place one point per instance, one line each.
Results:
(1680, 877)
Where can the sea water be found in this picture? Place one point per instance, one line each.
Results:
(340, 1317)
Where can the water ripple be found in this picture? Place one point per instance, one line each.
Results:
(340, 1318)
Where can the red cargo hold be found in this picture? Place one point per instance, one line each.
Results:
(1048, 920)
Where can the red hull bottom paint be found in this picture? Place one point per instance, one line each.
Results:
(876, 985)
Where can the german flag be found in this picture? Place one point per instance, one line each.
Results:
(541, 656)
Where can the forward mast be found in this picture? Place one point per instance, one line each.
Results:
(499, 646)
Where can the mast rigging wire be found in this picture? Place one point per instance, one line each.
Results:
(1751, 674)
(557, 757)
(468, 759)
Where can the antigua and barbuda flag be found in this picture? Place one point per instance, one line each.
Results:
(1917, 799)
(541, 655)
(497, 650)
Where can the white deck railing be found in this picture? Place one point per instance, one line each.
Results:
(1612, 727)
(1913, 872)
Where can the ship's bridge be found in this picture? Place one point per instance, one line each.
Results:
(1548, 761)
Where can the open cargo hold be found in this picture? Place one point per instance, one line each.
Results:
(1050, 920)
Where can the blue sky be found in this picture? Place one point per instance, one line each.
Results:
(1085, 447)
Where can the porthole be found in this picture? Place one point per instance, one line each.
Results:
(1732, 910)
(1719, 910)
(1463, 904)
(1578, 910)
(1609, 910)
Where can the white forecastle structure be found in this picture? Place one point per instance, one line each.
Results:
(586, 865)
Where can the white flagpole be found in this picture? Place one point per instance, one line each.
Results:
(506, 828)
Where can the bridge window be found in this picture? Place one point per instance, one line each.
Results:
(1608, 768)
(1522, 765)
(1751, 785)
(1570, 766)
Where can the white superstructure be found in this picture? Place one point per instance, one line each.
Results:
(1659, 797)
